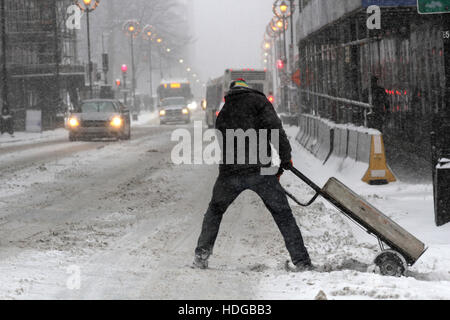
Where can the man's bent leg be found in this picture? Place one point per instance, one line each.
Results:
(273, 196)
(225, 191)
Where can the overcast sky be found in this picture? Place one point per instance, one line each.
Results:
(229, 34)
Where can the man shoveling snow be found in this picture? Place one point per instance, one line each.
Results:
(247, 109)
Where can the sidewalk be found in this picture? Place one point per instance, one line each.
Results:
(20, 138)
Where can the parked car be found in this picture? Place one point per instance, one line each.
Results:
(174, 110)
(100, 118)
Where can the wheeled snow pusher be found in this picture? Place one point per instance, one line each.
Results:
(404, 249)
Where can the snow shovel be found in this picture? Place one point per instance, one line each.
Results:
(404, 249)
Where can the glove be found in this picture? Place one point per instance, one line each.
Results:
(280, 173)
(287, 165)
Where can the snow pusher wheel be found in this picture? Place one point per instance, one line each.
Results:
(390, 263)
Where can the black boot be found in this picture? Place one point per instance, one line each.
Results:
(300, 266)
(200, 262)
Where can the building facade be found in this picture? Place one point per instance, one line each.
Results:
(339, 55)
(41, 58)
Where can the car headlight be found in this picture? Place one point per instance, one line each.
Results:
(193, 106)
(116, 122)
(185, 111)
(73, 122)
(162, 112)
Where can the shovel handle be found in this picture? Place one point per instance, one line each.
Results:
(305, 179)
(310, 202)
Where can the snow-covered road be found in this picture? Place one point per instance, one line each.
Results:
(126, 220)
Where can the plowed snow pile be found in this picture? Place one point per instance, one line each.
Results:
(337, 244)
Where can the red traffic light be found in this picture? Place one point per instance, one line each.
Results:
(271, 98)
(124, 68)
(280, 64)
(118, 82)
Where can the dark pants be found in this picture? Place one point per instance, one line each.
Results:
(228, 188)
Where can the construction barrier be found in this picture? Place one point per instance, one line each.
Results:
(306, 136)
(323, 138)
(353, 144)
(326, 135)
(301, 125)
(363, 148)
(336, 142)
(312, 134)
(343, 142)
(318, 137)
(313, 142)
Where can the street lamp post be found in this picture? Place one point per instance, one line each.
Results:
(148, 33)
(292, 8)
(131, 27)
(133, 71)
(89, 54)
(273, 32)
(5, 105)
(280, 10)
(89, 6)
(159, 41)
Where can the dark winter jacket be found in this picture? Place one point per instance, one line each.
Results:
(246, 109)
(381, 107)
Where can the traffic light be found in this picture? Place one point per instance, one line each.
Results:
(271, 98)
(118, 83)
(124, 68)
(280, 64)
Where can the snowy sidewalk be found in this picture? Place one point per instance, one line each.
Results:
(348, 251)
(23, 138)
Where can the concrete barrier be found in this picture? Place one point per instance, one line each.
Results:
(336, 141)
(323, 139)
(306, 136)
(303, 128)
(318, 136)
(340, 142)
(301, 125)
(363, 148)
(353, 144)
(343, 144)
(312, 142)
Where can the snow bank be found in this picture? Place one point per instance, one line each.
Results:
(338, 245)
(145, 118)
(20, 138)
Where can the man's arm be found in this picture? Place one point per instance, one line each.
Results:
(270, 120)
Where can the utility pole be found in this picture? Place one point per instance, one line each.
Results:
(160, 63)
(57, 65)
(133, 70)
(89, 53)
(150, 67)
(5, 105)
(291, 51)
